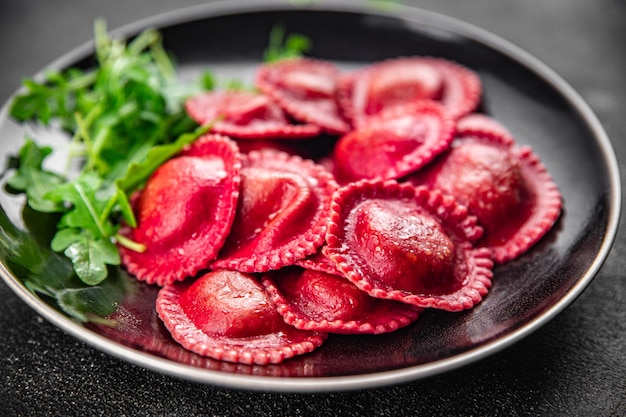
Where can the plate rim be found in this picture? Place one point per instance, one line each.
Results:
(359, 381)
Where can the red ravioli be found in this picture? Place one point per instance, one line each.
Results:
(305, 89)
(482, 124)
(185, 212)
(282, 214)
(409, 244)
(246, 115)
(318, 262)
(311, 299)
(505, 186)
(227, 315)
(393, 144)
(402, 81)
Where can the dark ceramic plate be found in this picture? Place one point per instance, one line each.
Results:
(534, 103)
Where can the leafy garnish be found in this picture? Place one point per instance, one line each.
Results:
(31, 179)
(281, 47)
(56, 97)
(208, 80)
(126, 118)
(84, 231)
(52, 276)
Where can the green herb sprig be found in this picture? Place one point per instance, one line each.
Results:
(51, 275)
(285, 47)
(126, 118)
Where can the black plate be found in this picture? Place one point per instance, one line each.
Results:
(538, 107)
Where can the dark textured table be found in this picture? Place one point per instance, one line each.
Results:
(573, 366)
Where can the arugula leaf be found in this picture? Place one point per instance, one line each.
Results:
(281, 47)
(90, 258)
(83, 232)
(32, 179)
(208, 81)
(86, 205)
(64, 238)
(124, 206)
(51, 275)
(56, 97)
(91, 303)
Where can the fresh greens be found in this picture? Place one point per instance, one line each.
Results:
(126, 118)
(55, 98)
(33, 180)
(281, 47)
(51, 276)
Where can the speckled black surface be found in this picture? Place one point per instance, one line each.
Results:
(574, 366)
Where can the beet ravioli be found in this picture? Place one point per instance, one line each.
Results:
(306, 90)
(227, 315)
(399, 242)
(506, 186)
(185, 211)
(315, 299)
(245, 115)
(404, 81)
(282, 212)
